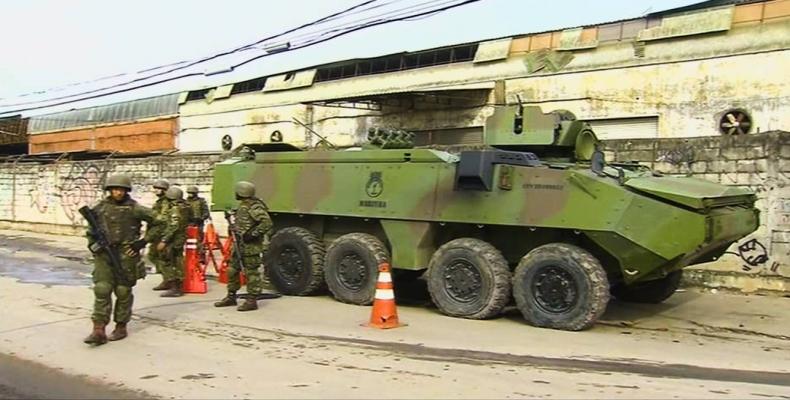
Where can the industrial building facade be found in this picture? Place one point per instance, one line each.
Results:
(718, 67)
(698, 72)
(137, 126)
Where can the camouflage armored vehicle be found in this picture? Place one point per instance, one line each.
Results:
(535, 214)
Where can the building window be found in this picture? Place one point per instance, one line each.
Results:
(399, 62)
(198, 94)
(252, 85)
(625, 128)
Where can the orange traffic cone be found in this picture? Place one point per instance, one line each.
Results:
(384, 314)
(210, 243)
(194, 279)
(210, 239)
(227, 253)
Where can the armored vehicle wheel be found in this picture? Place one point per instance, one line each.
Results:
(560, 286)
(295, 261)
(652, 292)
(351, 269)
(469, 278)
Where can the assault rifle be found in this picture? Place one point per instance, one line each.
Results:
(236, 239)
(103, 241)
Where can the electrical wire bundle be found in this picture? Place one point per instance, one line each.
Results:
(364, 15)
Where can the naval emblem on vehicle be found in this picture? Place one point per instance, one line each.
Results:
(375, 185)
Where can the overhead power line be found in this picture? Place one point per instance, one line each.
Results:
(347, 12)
(186, 64)
(318, 37)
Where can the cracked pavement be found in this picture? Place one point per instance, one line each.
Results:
(696, 345)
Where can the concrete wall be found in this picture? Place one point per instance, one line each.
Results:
(688, 97)
(761, 162)
(46, 196)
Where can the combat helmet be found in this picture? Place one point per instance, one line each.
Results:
(161, 184)
(121, 181)
(174, 193)
(245, 189)
(192, 189)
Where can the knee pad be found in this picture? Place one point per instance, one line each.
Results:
(102, 289)
(122, 291)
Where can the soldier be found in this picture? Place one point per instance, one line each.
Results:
(154, 233)
(252, 223)
(171, 244)
(199, 213)
(120, 216)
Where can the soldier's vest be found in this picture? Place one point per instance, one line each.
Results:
(159, 204)
(245, 221)
(187, 213)
(160, 213)
(184, 210)
(119, 220)
(194, 208)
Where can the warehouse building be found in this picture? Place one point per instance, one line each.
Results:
(714, 68)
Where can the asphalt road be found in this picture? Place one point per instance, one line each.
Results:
(696, 345)
(21, 379)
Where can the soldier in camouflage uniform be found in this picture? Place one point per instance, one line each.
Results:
(153, 234)
(199, 213)
(252, 223)
(171, 244)
(120, 216)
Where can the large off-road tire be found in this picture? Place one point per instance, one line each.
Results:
(560, 286)
(351, 268)
(652, 292)
(295, 262)
(469, 278)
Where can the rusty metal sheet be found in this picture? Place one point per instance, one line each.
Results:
(493, 50)
(694, 23)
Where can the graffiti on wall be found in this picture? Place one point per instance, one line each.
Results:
(41, 193)
(679, 156)
(81, 186)
(754, 255)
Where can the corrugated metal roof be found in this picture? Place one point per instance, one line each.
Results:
(702, 5)
(658, 14)
(111, 113)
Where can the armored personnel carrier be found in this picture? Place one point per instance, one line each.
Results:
(535, 215)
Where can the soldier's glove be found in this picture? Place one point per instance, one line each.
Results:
(94, 248)
(138, 245)
(250, 236)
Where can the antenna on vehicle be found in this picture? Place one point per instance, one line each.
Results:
(309, 129)
(518, 120)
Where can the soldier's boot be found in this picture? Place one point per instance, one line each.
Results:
(176, 290)
(119, 332)
(249, 304)
(163, 286)
(227, 301)
(97, 337)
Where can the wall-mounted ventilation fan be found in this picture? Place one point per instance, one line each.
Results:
(735, 122)
(227, 143)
